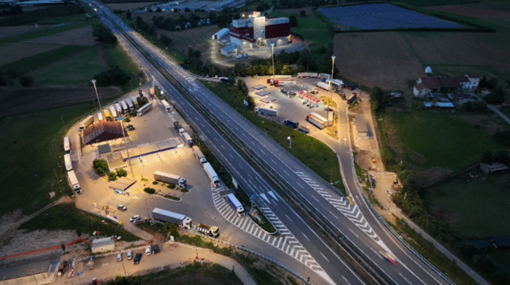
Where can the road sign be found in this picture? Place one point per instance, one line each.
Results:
(120, 119)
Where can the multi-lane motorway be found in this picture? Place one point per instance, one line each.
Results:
(357, 223)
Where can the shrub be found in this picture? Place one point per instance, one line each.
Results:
(121, 172)
(100, 166)
(113, 76)
(26, 80)
(112, 176)
(184, 190)
(149, 190)
(171, 186)
(127, 119)
(155, 182)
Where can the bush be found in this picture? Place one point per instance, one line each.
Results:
(104, 35)
(149, 190)
(128, 15)
(184, 190)
(112, 176)
(473, 106)
(100, 166)
(26, 80)
(155, 182)
(502, 137)
(113, 76)
(121, 172)
(127, 119)
(171, 186)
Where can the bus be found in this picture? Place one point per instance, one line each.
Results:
(146, 108)
(67, 145)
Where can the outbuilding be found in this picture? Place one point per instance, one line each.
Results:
(493, 167)
(229, 51)
(361, 125)
(101, 245)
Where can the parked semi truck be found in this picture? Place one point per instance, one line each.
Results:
(125, 108)
(67, 145)
(100, 117)
(265, 111)
(215, 180)
(172, 218)
(107, 115)
(73, 181)
(318, 117)
(130, 104)
(166, 105)
(145, 109)
(323, 85)
(188, 139)
(170, 178)
(113, 112)
(87, 122)
(235, 204)
(199, 155)
(178, 127)
(208, 230)
(118, 107)
(292, 124)
(315, 122)
(135, 102)
(307, 74)
(351, 98)
(68, 162)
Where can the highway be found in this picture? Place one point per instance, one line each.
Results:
(357, 223)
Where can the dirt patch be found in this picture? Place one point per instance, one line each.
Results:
(79, 37)
(16, 30)
(24, 100)
(129, 6)
(443, 214)
(17, 51)
(377, 59)
(471, 11)
(196, 38)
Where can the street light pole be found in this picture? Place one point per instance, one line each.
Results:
(272, 49)
(97, 95)
(290, 141)
(331, 84)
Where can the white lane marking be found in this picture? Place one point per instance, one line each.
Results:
(315, 199)
(289, 218)
(223, 147)
(286, 173)
(324, 257)
(346, 280)
(405, 279)
(231, 155)
(202, 125)
(240, 165)
(333, 214)
(354, 233)
(305, 236)
(273, 161)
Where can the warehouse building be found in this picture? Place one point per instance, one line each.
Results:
(257, 31)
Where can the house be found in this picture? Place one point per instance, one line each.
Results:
(474, 80)
(493, 167)
(229, 51)
(102, 245)
(420, 90)
(426, 85)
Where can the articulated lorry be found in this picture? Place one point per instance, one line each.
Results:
(172, 218)
(292, 124)
(208, 230)
(118, 107)
(199, 155)
(351, 98)
(170, 178)
(307, 74)
(124, 107)
(73, 181)
(166, 105)
(265, 111)
(315, 122)
(319, 117)
(323, 85)
(178, 127)
(135, 102)
(215, 180)
(68, 162)
(113, 111)
(67, 145)
(235, 204)
(188, 139)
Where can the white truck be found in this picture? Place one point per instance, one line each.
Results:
(87, 122)
(318, 117)
(73, 181)
(316, 122)
(199, 155)
(130, 104)
(235, 204)
(172, 218)
(215, 180)
(100, 117)
(124, 107)
(119, 109)
(166, 105)
(135, 101)
(68, 162)
(170, 178)
(208, 230)
(307, 74)
(67, 145)
(265, 111)
(188, 139)
(323, 85)
(113, 112)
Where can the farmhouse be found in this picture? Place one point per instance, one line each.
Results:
(257, 31)
(426, 85)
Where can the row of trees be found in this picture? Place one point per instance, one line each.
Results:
(113, 76)
(104, 35)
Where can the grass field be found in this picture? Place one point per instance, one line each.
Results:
(312, 152)
(52, 219)
(50, 31)
(76, 70)
(195, 273)
(472, 207)
(36, 61)
(64, 19)
(31, 152)
(311, 27)
(117, 56)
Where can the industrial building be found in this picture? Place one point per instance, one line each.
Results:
(257, 31)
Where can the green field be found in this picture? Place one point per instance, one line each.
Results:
(76, 70)
(437, 138)
(311, 27)
(63, 19)
(31, 153)
(312, 152)
(473, 208)
(51, 31)
(52, 219)
(117, 56)
(39, 60)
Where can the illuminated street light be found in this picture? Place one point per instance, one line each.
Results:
(99, 102)
(272, 48)
(331, 83)
(290, 141)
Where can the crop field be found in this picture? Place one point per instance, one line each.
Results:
(472, 205)
(17, 51)
(14, 30)
(376, 59)
(82, 36)
(63, 19)
(128, 6)
(76, 70)
(472, 11)
(383, 17)
(311, 28)
(50, 31)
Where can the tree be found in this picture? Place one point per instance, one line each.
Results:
(293, 21)
(164, 40)
(377, 99)
(100, 166)
(197, 54)
(128, 15)
(112, 176)
(502, 137)
(502, 157)
(26, 80)
(158, 10)
(302, 13)
(186, 10)
(497, 96)
(121, 172)
(487, 157)
(104, 35)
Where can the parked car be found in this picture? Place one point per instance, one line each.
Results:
(304, 129)
(119, 256)
(137, 259)
(122, 208)
(155, 249)
(148, 250)
(130, 127)
(135, 218)
(129, 254)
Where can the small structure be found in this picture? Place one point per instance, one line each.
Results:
(220, 34)
(101, 132)
(229, 51)
(101, 245)
(460, 98)
(438, 105)
(493, 167)
(361, 125)
(420, 90)
(104, 149)
(121, 185)
(428, 70)
(485, 92)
